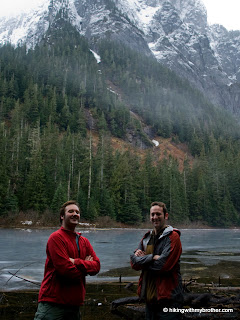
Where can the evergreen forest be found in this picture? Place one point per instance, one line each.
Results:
(58, 117)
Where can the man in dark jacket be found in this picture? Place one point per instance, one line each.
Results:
(70, 257)
(158, 256)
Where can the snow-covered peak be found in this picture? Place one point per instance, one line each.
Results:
(176, 32)
(140, 12)
(18, 28)
(31, 24)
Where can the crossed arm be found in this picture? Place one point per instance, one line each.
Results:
(90, 264)
(88, 258)
(162, 262)
(140, 253)
(68, 267)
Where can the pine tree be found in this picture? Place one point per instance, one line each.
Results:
(60, 197)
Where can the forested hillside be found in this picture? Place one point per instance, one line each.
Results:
(54, 97)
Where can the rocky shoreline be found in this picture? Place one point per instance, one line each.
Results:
(114, 300)
(204, 288)
(35, 221)
(22, 305)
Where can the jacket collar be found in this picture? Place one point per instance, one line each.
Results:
(166, 231)
(169, 229)
(70, 232)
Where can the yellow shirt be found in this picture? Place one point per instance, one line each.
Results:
(150, 278)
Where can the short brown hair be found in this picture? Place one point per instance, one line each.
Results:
(161, 205)
(63, 207)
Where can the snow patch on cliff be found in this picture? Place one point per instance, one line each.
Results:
(96, 56)
(155, 142)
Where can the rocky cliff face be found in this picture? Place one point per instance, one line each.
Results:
(208, 56)
(100, 19)
(174, 31)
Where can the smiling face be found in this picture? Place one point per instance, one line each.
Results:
(157, 218)
(71, 217)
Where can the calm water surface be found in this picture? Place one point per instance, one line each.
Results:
(25, 250)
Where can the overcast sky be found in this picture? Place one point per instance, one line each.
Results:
(14, 6)
(225, 12)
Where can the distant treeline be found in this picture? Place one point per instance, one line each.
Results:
(53, 97)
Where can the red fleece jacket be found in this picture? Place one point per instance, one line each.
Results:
(64, 282)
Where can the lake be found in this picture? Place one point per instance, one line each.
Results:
(23, 250)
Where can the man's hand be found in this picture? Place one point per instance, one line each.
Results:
(156, 257)
(140, 253)
(89, 258)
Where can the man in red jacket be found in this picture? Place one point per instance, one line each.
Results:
(158, 254)
(70, 257)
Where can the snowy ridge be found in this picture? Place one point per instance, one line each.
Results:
(139, 12)
(176, 32)
(32, 24)
(21, 28)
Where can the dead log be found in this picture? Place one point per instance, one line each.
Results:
(185, 285)
(129, 286)
(123, 301)
(33, 282)
(197, 300)
(131, 307)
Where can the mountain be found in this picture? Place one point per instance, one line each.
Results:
(175, 32)
(90, 110)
